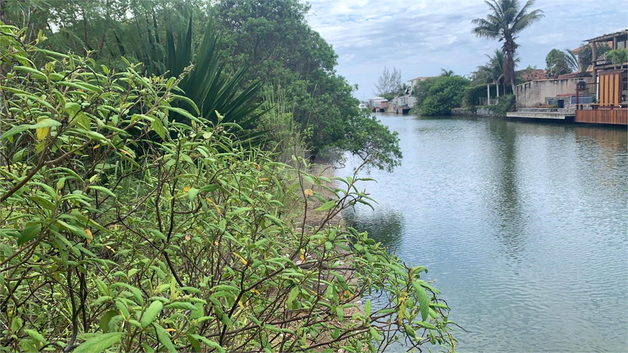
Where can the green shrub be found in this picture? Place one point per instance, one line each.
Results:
(506, 104)
(617, 56)
(184, 247)
(438, 95)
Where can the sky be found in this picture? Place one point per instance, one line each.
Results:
(420, 37)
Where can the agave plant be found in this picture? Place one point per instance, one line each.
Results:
(217, 94)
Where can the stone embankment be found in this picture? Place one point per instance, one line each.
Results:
(477, 111)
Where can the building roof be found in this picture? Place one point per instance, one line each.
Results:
(422, 78)
(608, 37)
(570, 75)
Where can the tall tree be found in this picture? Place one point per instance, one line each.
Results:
(585, 55)
(274, 38)
(505, 21)
(389, 83)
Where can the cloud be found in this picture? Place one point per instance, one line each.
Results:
(422, 36)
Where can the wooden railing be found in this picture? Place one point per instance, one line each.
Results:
(617, 116)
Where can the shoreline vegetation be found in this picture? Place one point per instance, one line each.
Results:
(138, 215)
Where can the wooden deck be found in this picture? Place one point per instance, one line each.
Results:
(603, 116)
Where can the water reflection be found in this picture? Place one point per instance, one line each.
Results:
(506, 210)
(383, 226)
(522, 225)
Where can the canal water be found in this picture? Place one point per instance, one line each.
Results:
(523, 227)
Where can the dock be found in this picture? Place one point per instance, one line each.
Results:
(544, 115)
(602, 115)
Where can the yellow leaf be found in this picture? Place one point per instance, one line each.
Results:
(242, 260)
(171, 330)
(89, 233)
(302, 256)
(255, 291)
(308, 192)
(42, 132)
(215, 206)
(186, 189)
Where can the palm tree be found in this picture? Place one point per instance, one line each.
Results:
(446, 73)
(495, 66)
(505, 22)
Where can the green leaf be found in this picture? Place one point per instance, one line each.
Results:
(164, 338)
(14, 130)
(96, 136)
(181, 306)
(340, 312)
(192, 192)
(294, 292)
(29, 233)
(209, 343)
(46, 122)
(151, 313)
(326, 206)
(99, 343)
(183, 112)
(424, 300)
(158, 127)
(367, 307)
(137, 294)
(102, 189)
(426, 325)
(36, 336)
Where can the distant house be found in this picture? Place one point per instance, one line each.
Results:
(402, 104)
(376, 102)
(416, 80)
(611, 81)
(558, 93)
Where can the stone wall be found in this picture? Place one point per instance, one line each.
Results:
(533, 94)
(479, 111)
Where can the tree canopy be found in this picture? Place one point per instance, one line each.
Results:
(560, 62)
(270, 38)
(437, 96)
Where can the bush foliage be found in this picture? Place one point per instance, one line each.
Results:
(506, 104)
(114, 240)
(436, 96)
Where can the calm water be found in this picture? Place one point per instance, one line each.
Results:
(523, 226)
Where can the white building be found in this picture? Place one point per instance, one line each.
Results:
(378, 102)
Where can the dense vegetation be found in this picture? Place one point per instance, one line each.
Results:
(436, 96)
(135, 218)
(258, 42)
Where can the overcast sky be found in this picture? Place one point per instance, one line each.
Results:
(420, 37)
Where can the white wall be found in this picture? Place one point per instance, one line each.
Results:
(533, 93)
